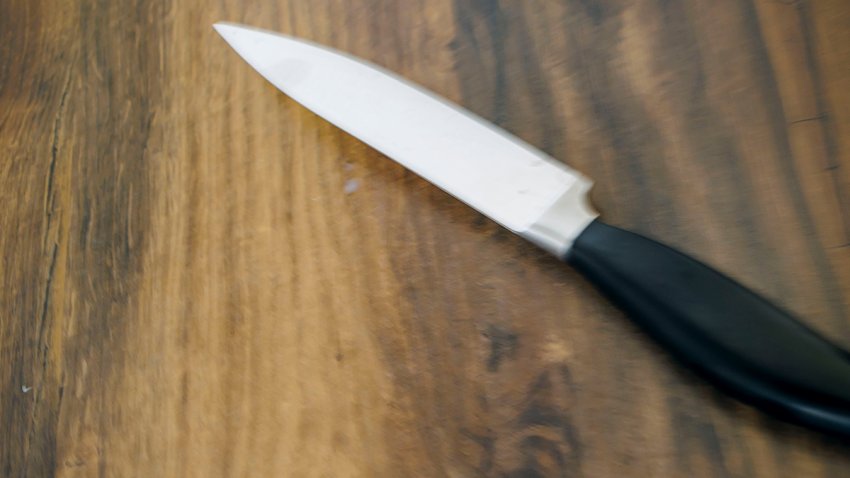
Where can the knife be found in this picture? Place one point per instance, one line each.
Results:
(730, 335)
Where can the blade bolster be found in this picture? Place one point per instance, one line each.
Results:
(558, 226)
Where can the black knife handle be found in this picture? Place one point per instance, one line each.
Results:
(731, 335)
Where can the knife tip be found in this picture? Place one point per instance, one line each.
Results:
(222, 27)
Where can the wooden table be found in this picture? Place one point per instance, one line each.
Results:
(201, 278)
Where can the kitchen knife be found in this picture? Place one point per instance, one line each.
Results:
(729, 334)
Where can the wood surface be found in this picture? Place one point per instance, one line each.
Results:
(199, 277)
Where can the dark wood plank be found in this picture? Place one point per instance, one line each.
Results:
(201, 278)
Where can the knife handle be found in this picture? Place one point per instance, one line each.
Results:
(738, 340)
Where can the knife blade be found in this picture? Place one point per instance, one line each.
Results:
(494, 172)
(732, 336)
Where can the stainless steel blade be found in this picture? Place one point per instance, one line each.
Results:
(494, 172)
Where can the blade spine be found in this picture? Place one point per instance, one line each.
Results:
(455, 106)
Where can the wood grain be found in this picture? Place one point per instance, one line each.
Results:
(201, 278)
